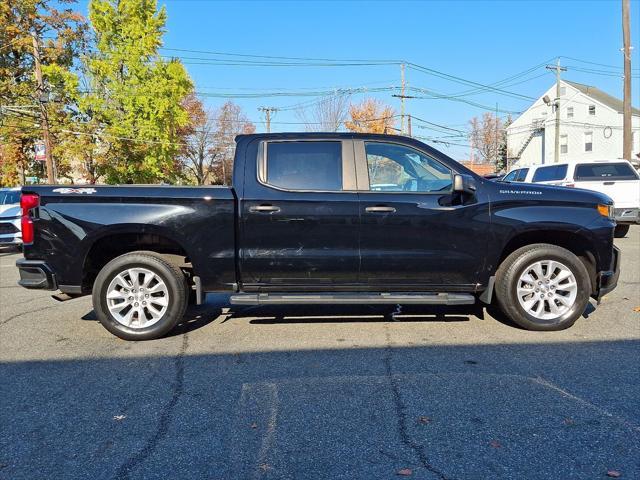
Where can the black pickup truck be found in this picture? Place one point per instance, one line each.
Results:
(322, 218)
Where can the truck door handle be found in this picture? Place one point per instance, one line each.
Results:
(380, 209)
(264, 209)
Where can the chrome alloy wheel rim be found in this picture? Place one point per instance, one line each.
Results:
(547, 289)
(137, 298)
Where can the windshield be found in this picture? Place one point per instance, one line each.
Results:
(9, 197)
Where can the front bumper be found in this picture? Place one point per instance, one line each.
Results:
(627, 215)
(36, 274)
(608, 280)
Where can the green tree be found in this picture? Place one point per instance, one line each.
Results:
(134, 94)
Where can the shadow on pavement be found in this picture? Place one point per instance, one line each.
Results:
(534, 411)
(217, 308)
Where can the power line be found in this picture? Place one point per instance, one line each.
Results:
(309, 61)
(595, 63)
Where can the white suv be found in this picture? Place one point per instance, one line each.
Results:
(616, 178)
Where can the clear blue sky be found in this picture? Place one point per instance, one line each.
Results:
(481, 41)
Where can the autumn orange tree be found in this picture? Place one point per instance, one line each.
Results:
(61, 35)
(371, 116)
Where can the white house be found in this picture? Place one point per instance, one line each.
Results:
(590, 127)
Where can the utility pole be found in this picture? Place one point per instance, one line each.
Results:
(496, 140)
(267, 112)
(409, 124)
(402, 86)
(44, 120)
(626, 109)
(402, 97)
(558, 69)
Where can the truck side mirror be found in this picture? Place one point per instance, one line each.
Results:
(464, 183)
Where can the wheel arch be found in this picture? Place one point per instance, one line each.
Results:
(577, 243)
(111, 244)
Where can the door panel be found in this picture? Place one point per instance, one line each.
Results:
(299, 239)
(419, 240)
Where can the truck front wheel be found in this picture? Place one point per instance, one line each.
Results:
(543, 287)
(139, 296)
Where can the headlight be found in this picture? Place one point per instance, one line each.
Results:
(606, 210)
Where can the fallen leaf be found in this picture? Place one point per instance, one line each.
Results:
(569, 421)
(613, 474)
(254, 425)
(405, 472)
(424, 420)
(119, 417)
(265, 466)
(495, 444)
(637, 309)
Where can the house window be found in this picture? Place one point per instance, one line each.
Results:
(564, 144)
(563, 91)
(588, 141)
(569, 112)
(592, 109)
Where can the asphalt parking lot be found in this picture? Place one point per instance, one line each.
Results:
(274, 393)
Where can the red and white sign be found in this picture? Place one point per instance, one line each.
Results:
(40, 151)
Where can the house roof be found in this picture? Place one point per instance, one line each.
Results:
(601, 97)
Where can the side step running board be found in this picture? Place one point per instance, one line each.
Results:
(352, 298)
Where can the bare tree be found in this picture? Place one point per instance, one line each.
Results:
(209, 140)
(230, 121)
(327, 115)
(200, 155)
(197, 155)
(487, 135)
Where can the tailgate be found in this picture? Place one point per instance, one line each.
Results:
(617, 179)
(625, 193)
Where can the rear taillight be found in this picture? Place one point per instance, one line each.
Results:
(28, 201)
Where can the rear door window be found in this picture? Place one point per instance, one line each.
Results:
(304, 165)
(593, 172)
(550, 173)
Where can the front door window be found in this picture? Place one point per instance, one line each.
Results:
(397, 168)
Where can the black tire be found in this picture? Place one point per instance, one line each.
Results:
(170, 274)
(508, 277)
(621, 231)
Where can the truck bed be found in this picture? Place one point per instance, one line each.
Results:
(196, 222)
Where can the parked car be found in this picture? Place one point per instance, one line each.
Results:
(303, 225)
(616, 178)
(10, 214)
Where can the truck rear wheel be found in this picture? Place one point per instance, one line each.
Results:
(621, 230)
(139, 296)
(543, 287)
